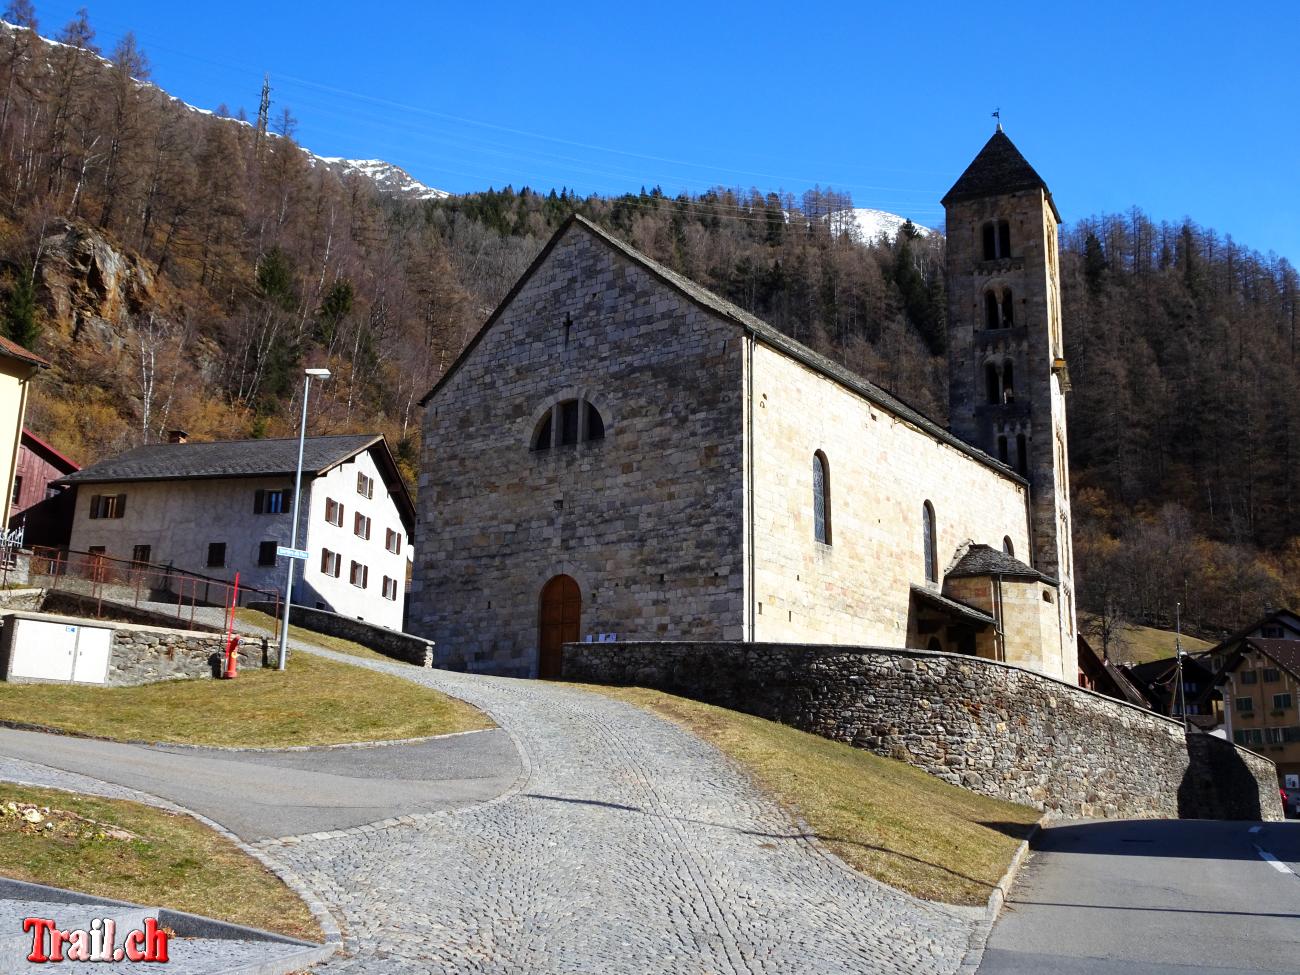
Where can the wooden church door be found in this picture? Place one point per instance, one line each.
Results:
(561, 622)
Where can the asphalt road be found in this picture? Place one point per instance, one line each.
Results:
(1154, 897)
(266, 794)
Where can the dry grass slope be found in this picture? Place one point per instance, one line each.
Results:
(314, 702)
(128, 851)
(1142, 644)
(895, 823)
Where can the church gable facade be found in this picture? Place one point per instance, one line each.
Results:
(581, 469)
(621, 454)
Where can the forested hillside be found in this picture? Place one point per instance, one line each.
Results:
(179, 267)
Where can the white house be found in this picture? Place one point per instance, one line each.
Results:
(220, 508)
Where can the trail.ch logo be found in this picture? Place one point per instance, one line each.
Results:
(98, 943)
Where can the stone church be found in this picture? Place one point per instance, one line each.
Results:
(621, 454)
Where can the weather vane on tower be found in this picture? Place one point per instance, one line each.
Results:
(997, 114)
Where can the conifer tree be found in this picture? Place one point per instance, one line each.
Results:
(20, 321)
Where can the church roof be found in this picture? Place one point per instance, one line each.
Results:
(768, 334)
(950, 605)
(999, 168)
(985, 560)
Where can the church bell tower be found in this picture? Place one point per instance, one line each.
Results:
(1007, 374)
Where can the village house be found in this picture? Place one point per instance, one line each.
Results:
(1099, 673)
(219, 508)
(39, 506)
(1258, 671)
(1196, 697)
(621, 453)
(17, 367)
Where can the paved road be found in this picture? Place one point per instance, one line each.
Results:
(628, 846)
(259, 795)
(1154, 898)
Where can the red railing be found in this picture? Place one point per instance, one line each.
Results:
(158, 589)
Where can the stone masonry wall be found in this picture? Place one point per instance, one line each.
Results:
(391, 643)
(991, 727)
(648, 521)
(146, 654)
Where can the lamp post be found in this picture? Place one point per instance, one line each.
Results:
(293, 530)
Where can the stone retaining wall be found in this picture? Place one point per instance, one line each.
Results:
(391, 643)
(30, 600)
(146, 654)
(991, 727)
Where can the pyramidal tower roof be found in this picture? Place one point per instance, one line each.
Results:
(998, 169)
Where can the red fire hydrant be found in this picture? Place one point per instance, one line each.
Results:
(232, 657)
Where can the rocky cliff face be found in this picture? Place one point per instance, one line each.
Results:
(88, 280)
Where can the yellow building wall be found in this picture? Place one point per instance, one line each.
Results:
(856, 590)
(13, 406)
(1264, 715)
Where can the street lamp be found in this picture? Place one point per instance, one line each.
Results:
(310, 374)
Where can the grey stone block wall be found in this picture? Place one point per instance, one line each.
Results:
(145, 655)
(391, 643)
(991, 727)
(648, 520)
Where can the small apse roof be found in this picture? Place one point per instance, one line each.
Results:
(247, 458)
(998, 169)
(985, 560)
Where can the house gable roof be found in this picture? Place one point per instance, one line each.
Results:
(1106, 671)
(1284, 653)
(12, 350)
(1284, 617)
(248, 458)
(998, 169)
(769, 335)
(38, 446)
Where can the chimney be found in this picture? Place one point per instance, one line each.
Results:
(177, 436)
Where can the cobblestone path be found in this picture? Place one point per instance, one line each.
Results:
(628, 846)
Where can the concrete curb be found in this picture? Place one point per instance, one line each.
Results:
(186, 746)
(186, 925)
(980, 936)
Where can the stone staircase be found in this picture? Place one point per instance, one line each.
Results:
(200, 945)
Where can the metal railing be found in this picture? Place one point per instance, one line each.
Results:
(158, 589)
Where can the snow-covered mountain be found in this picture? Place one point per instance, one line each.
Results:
(388, 178)
(867, 226)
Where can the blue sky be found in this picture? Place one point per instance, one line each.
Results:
(1185, 109)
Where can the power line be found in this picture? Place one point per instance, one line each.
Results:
(516, 153)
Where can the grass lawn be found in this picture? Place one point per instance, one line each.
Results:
(314, 702)
(133, 852)
(1142, 644)
(893, 822)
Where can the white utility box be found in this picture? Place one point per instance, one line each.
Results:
(58, 651)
